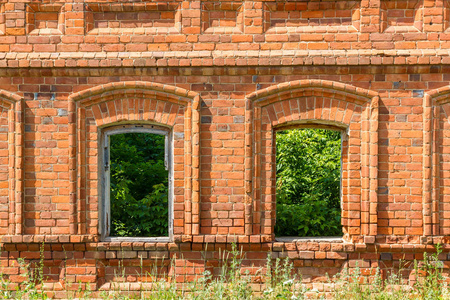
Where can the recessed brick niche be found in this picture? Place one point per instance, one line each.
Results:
(116, 18)
(401, 16)
(44, 19)
(222, 17)
(311, 16)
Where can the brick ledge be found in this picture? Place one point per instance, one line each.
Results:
(91, 243)
(223, 58)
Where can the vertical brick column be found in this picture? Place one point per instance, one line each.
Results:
(373, 165)
(18, 157)
(195, 221)
(369, 170)
(248, 168)
(256, 179)
(436, 143)
(365, 173)
(187, 230)
(72, 167)
(427, 164)
(81, 170)
(11, 163)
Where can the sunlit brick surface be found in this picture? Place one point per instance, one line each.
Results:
(223, 75)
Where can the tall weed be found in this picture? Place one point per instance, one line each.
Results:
(231, 280)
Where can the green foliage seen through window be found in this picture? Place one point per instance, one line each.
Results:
(139, 185)
(308, 183)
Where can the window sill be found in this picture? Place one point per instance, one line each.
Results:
(294, 239)
(138, 239)
(48, 239)
(136, 31)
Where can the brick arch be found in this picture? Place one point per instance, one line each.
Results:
(314, 103)
(11, 163)
(9, 98)
(130, 103)
(351, 91)
(103, 91)
(436, 124)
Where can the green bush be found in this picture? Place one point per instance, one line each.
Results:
(139, 185)
(308, 182)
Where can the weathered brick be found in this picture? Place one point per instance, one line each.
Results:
(225, 56)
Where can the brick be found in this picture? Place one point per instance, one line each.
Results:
(278, 63)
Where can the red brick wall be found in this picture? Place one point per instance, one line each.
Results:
(223, 76)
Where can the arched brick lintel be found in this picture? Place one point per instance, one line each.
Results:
(8, 98)
(175, 94)
(439, 96)
(14, 104)
(314, 101)
(351, 92)
(142, 96)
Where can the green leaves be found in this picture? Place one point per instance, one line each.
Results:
(139, 185)
(308, 182)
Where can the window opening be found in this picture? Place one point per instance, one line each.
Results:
(308, 184)
(137, 182)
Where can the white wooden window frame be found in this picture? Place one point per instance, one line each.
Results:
(104, 170)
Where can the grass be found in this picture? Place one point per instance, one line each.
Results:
(278, 280)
